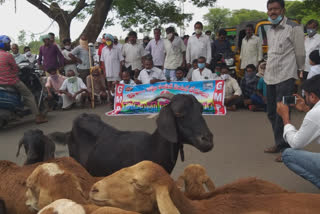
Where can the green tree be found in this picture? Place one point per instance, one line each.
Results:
(217, 18)
(149, 13)
(303, 11)
(22, 40)
(220, 17)
(244, 15)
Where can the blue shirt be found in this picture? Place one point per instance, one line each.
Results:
(262, 86)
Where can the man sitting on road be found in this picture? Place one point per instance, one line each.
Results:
(232, 90)
(9, 76)
(202, 73)
(150, 74)
(74, 91)
(99, 85)
(180, 75)
(304, 163)
(53, 84)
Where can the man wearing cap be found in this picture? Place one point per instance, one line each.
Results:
(111, 59)
(9, 76)
(49, 55)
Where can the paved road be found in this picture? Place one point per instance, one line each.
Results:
(239, 137)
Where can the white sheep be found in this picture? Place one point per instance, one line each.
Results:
(147, 188)
(66, 206)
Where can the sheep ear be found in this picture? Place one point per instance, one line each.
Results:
(167, 124)
(164, 201)
(209, 184)
(49, 148)
(19, 147)
(180, 182)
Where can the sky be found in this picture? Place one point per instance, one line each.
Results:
(32, 20)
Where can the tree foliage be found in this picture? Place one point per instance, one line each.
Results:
(303, 11)
(22, 40)
(220, 17)
(131, 13)
(217, 18)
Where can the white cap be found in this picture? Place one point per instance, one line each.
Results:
(99, 40)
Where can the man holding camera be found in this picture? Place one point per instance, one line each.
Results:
(286, 56)
(304, 163)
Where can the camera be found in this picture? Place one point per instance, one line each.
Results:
(289, 100)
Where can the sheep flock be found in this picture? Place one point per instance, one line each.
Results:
(63, 186)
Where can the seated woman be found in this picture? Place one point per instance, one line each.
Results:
(99, 86)
(74, 91)
(53, 84)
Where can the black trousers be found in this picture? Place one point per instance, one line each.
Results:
(274, 95)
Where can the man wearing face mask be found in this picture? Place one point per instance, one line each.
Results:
(286, 55)
(304, 163)
(80, 55)
(202, 73)
(28, 55)
(112, 61)
(69, 64)
(312, 42)
(175, 51)
(198, 45)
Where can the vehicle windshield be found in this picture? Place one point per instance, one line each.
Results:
(262, 33)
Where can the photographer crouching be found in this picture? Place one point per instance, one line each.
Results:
(304, 163)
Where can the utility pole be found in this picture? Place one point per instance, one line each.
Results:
(182, 28)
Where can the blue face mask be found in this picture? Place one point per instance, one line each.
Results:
(275, 21)
(201, 65)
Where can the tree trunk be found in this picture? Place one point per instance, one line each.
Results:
(97, 20)
(64, 30)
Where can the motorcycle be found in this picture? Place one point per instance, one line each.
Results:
(11, 103)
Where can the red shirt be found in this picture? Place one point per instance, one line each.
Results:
(100, 50)
(8, 69)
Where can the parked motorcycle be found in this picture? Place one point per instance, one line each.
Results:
(11, 103)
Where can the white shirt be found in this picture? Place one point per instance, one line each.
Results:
(133, 55)
(31, 58)
(73, 88)
(198, 47)
(118, 46)
(68, 67)
(315, 70)
(206, 74)
(155, 73)
(132, 83)
(156, 49)
(231, 88)
(308, 132)
(311, 44)
(174, 53)
(251, 51)
(111, 59)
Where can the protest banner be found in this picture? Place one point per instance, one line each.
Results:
(135, 100)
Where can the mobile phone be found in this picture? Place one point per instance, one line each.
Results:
(289, 100)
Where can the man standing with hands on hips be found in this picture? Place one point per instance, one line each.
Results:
(286, 56)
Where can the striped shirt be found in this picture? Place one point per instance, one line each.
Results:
(8, 69)
(286, 52)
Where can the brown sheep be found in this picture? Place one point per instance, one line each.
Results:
(66, 206)
(195, 175)
(193, 179)
(147, 188)
(13, 182)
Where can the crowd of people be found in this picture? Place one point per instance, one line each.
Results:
(291, 55)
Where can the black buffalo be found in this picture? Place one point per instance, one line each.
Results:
(2, 207)
(37, 146)
(102, 149)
